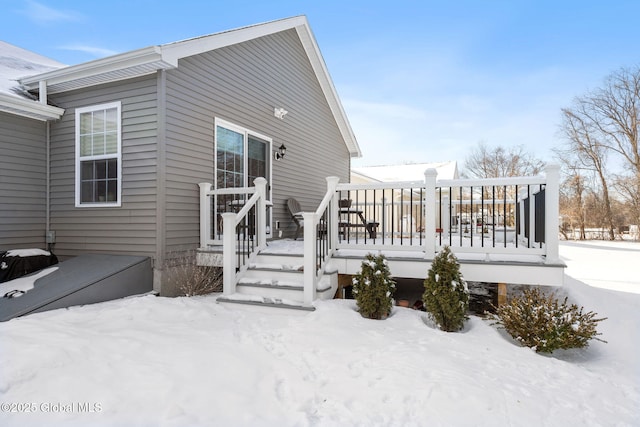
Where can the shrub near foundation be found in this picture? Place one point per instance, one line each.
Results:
(545, 324)
(446, 297)
(186, 278)
(373, 288)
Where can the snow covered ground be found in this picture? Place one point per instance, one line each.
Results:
(152, 361)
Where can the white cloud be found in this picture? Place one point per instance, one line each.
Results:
(98, 52)
(43, 14)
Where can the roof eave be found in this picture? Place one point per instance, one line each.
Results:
(172, 52)
(138, 61)
(28, 108)
(145, 61)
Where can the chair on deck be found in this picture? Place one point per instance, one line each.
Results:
(296, 214)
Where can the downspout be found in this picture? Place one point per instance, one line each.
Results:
(48, 239)
(161, 196)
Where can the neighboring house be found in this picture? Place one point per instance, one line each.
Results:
(403, 172)
(407, 207)
(105, 156)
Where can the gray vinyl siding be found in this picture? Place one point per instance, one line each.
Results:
(242, 84)
(168, 145)
(131, 228)
(22, 182)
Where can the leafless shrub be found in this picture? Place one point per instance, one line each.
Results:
(190, 279)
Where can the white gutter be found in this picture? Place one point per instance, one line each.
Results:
(28, 108)
(99, 66)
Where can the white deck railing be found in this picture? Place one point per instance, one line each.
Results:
(482, 216)
(488, 216)
(243, 233)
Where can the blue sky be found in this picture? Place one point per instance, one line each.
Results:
(421, 81)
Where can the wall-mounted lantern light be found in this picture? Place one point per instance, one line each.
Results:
(282, 151)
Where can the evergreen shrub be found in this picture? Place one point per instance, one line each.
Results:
(446, 297)
(373, 288)
(543, 323)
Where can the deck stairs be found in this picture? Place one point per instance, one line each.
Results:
(276, 280)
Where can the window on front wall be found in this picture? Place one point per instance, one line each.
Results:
(98, 155)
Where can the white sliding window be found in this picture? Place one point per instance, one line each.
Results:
(241, 156)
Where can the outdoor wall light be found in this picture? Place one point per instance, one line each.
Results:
(282, 151)
(279, 112)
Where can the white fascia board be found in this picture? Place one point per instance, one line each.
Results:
(171, 52)
(330, 93)
(165, 56)
(99, 66)
(29, 108)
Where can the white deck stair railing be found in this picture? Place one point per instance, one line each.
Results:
(314, 231)
(231, 261)
(418, 216)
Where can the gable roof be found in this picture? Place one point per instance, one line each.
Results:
(148, 60)
(407, 172)
(15, 63)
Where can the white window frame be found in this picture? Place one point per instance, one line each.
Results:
(246, 132)
(117, 156)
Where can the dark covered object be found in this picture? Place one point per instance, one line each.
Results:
(12, 267)
(85, 279)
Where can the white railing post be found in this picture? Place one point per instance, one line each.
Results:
(205, 214)
(228, 253)
(551, 214)
(332, 184)
(430, 176)
(310, 221)
(261, 212)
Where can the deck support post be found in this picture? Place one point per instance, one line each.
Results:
(228, 253)
(205, 214)
(502, 294)
(430, 176)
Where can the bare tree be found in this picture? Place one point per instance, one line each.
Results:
(497, 162)
(587, 151)
(611, 116)
(629, 189)
(615, 111)
(572, 204)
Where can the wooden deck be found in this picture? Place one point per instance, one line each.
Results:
(502, 230)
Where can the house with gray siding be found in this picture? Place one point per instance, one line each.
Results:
(108, 155)
(197, 146)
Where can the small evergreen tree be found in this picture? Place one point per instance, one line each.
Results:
(543, 323)
(373, 288)
(446, 297)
